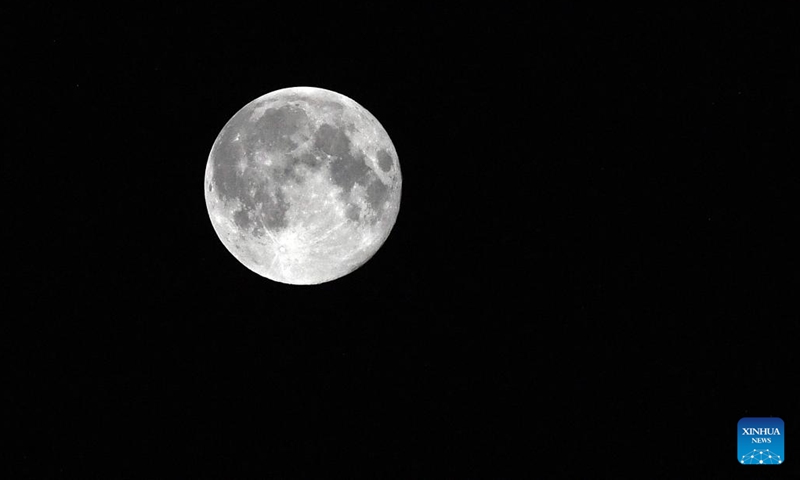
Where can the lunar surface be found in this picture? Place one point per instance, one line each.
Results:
(303, 185)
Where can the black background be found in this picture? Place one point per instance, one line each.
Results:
(594, 268)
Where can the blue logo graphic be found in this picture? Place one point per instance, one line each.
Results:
(761, 441)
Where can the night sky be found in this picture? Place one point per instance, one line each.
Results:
(594, 270)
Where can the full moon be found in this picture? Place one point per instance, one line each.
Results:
(303, 185)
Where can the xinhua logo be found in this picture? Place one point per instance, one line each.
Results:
(761, 441)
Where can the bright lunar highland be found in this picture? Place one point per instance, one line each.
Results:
(303, 185)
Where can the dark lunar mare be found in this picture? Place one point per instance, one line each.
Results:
(273, 130)
(377, 192)
(385, 160)
(272, 134)
(347, 168)
(353, 212)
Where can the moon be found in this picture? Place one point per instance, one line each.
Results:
(303, 185)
